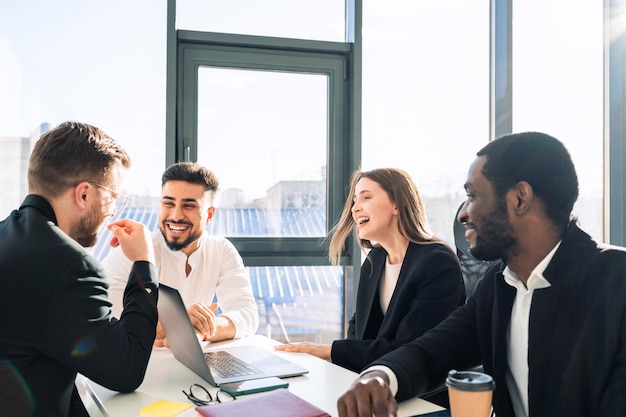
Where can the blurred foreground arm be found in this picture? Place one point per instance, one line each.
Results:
(369, 396)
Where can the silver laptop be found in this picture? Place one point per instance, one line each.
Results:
(232, 364)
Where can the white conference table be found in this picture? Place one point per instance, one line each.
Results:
(166, 377)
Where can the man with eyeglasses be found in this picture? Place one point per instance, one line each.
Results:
(199, 265)
(118, 199)
(56, 316)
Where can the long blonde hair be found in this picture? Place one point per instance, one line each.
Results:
(402, 191)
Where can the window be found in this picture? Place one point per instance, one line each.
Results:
(322, 20)
(558, 89)
(252, 129)
(56, 67)
(426, 96)
(271, 117)
(425, 89)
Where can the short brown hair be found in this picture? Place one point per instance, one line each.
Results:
(71, 153)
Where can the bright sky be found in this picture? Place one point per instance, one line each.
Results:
(86, 61)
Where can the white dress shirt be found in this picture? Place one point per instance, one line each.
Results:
(216, 269)
(517, 332)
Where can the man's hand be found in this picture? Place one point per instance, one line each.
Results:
(160, 339)
(207, 325)
(203, 319)
(316, 349)
(134, 238)
(369, 396)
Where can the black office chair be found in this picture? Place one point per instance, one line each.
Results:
(472, 270)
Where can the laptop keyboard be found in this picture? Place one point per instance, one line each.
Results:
(227, 365)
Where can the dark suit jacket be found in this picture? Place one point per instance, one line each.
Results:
(577, 336)
(55, 318)
(430, 286)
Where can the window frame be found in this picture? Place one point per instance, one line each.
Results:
(345, 152)
(334, 59)
(614, 124)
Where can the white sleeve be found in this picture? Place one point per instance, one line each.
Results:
(117, 267)
(234, 292)
(393, 381)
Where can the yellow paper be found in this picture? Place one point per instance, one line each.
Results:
(164, 408)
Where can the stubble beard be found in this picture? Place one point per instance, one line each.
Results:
(85, 232)
(495, 238)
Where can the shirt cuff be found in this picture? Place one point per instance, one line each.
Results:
(393, 381)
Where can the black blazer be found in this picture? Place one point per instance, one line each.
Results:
(577, 336)
(56, 318)
(430, 286)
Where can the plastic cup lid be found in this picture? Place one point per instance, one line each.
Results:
(470, 381)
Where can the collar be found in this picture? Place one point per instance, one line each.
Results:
(41, 204)
(536, 279)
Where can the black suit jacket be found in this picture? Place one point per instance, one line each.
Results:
(430, 286)
(55, 318)
(577, 336)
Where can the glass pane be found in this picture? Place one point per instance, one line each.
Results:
(322, 20)
(425, 96)
(264, 135)
(558, 88)
(56, 67)
(298, 303)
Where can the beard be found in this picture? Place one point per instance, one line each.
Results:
(177, 244)
(494, 238)
(85, 232)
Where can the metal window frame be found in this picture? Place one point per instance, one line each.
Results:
(501, 107)
(197, 50)
(348, 148)
(187, 50)
(614, 123)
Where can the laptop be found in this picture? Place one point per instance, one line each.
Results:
(230, 364)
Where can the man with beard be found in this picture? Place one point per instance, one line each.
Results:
(547, 321)
(56, 318)
(199, 265)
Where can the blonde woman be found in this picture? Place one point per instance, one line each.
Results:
(409, 281)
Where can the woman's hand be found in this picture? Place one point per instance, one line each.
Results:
(315, 349)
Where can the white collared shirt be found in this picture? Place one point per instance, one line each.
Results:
(216, 269)
(517, 332)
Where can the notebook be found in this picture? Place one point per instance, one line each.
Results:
(251, 362)
(278, 403)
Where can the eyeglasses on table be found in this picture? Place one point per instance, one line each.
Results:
(201, 396)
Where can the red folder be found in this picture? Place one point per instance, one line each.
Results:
(277, 403)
